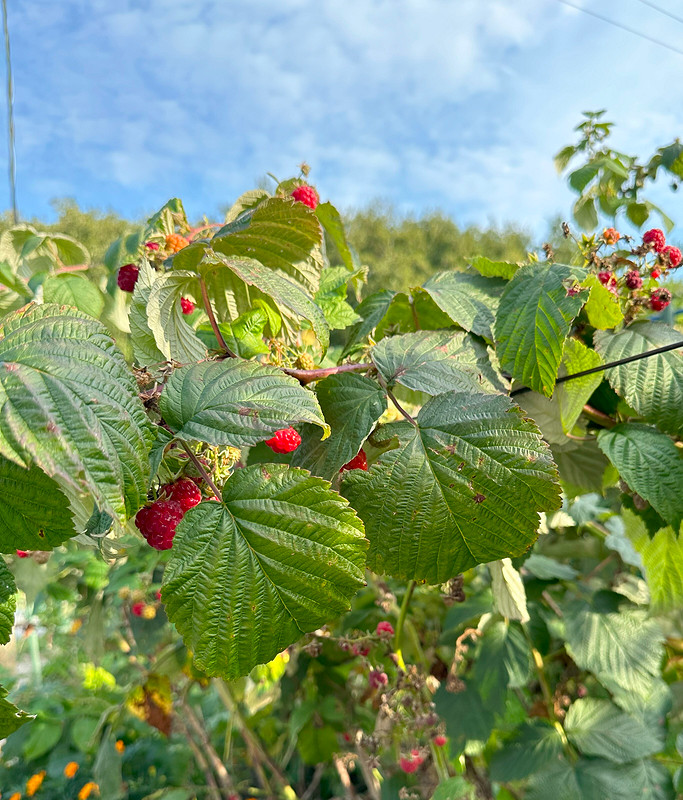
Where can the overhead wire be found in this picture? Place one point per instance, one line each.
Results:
(661, 10)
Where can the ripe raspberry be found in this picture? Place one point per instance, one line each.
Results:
(409, 765)
(176, 242)
(633, 279)
(673, 254)
(158, 595)
(23, 554)
(185, 492)
(439, 740)
(347, 737)
(377, 678)
(655, 274)
(152, 245)
(610, 236)
(127, 277)
(307, 195)
(360, 649)
(186, 305)
(284, 441)
(138, 609)
(157, 522)
(604, 277)
(660, 299)
(357, 462)
(656, 238)
(384, 627)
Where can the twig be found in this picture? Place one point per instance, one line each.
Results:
(212, 320)
(345, 778)
(398, 636)
(202, 763)
(399, 408)
(481, 783)
(599, 416)
(370, 779)
(549, 600)
(315, 781)
(218, 766)
(200, 468)
(309, 375)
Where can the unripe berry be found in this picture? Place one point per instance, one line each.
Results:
(660, 299)
(357, 462)
(157, 522)
(673, 254)
(187, 306)
(127, 277)
(385, 628)
(305, 361)
(655, 238)
(307, 195)
(175, 242)
(633, 279)
(610, 236)
(185, 491)
(284, 441)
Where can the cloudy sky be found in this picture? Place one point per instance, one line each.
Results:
(451, 104)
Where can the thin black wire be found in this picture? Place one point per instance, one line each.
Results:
(661, 10)
(611, 364)
(623, 27)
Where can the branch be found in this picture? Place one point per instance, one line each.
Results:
(309, 375)
(202, 763)
(218, 766)
(599, 416)
(402, 410)
(212, 320)
(201, 469)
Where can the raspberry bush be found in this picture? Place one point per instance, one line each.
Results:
(348, 495)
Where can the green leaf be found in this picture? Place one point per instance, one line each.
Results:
(173, 336)
(331, 297)
(532, 322)
(622, 648)
(509, 597)
(11, 718)
(494, 269)
(44, 735)
(282, 289)
(282, 235)
(70, 404)
(245, 202)
(471, 301)
(586, 779)
(466, 717)
(533, 746)
(599, 728)
(602, 308)
(372, 311)
(651, 465)
(74, 290)
(472, 466)
(351, 404)
(145, 350)
(637, 213)
(334, 228)
(124, 250)
(437, 362)
(8, 602)
(662, 558)
(653, 386)
(454, 789)
(547, 569)
(581, 177)
(166, 218)
(35, 513)
(574, 394)
(585, 213)
(503, 659)
(317, 744)
(235, 402)
(281, 556)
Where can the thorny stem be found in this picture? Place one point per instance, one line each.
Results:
(398, 635)
(212, 320)
(200, 468)
(309, 375)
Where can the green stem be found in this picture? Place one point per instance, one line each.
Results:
(398, 635)
(212, 320)
(34, 652)
(200, 468)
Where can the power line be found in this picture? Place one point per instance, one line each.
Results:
(626, 28)
(10, 119)
(661, 10)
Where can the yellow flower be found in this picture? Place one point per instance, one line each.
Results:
(71, 769)
(15, 796)
(35, 782)
(87, 790)
(120, 746)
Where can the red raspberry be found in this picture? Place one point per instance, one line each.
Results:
(439, 740)
(185, 492)
(655, 274)
(357, 462)
(23, 554)
(673, 254)
(409, 765)
(307, 195)
(186, 305)
(360, 649)
(377, 678)
(633, 279)
(604, 277)
(347, 737)
(152, 245)
(610, 236)
(656, 238)
(385, 627)
(660, 299)
(176, 242)
(137, 609)
(157, 522)
(127, 277)
(157, 595)
(284, 441)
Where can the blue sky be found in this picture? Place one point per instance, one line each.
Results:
(451, 104)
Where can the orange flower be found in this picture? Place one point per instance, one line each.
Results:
(35, 782)
(87, 790)
(71, 769)
(15, 796)
(120, 746)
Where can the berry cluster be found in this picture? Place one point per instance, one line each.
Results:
(127, 275)
(157, 522)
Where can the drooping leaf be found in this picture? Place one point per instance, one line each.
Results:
(235, 402)
(464, 487)
(351, 404)
(653, 386)
(145, 350)
(534, 746)
(74, 290)
(35, 513)
(651, 465)
(334, 228)
(331, 297)
(282, 234)
(280, 556)
(11, 718)
(548, 568)
(246, 202)
(509, 597)
(602, 307)
(574, 394)
(622, 648)
(436, 362)
(532, 322)
(494, 269)
(599, 728)
(70, 405)
(173, 336)
(470, 300)
(8, 602)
